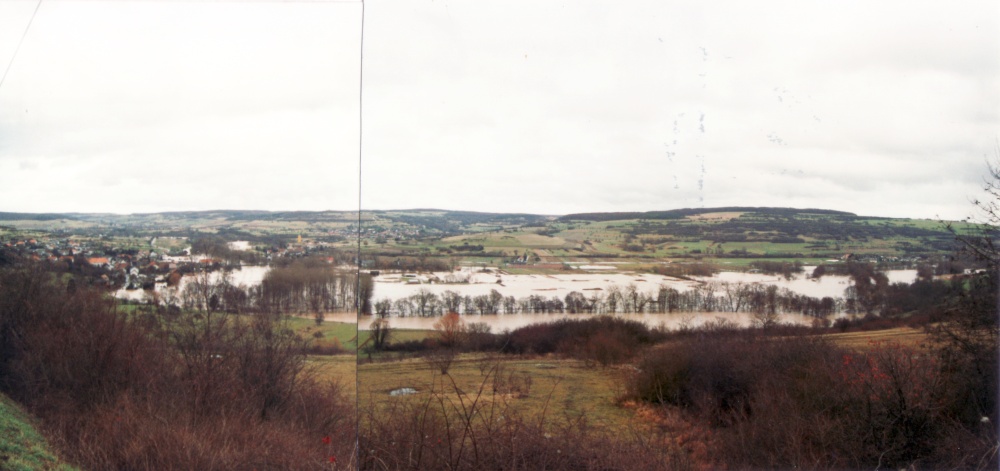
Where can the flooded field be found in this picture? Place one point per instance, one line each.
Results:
(830, 285)
(247, 276)
(476, 282)
(395, 286)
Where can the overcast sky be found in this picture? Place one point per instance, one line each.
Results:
(880, 108)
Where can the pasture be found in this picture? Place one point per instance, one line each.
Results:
(558, 388)
(905, 336)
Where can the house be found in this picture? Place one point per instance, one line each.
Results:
(97, 261)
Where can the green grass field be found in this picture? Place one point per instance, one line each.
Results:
(326, 334)
(558, 388)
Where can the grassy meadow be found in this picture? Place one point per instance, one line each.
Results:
(561, 388)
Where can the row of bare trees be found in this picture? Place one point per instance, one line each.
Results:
(297, 288)
(707, 297)
(318, 288)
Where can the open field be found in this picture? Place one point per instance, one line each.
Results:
(406, 335)
(327, 334)
(906, 336)
(724, 216)
(170, 244)
(560, 388)
(341, 369)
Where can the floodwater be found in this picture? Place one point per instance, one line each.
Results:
(249, 275)
(394, 286)
(345, 317)
(831, 285)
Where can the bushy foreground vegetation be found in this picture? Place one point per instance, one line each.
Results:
(190, 390)
(803, 403)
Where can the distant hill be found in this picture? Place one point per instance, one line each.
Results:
(452, 222)
(730, 231)
(34, 216)
(241, 223)
(683, 213)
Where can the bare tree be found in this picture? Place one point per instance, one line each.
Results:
(424, 300)
(452, 301)
(970, 337)
(382, 307)
(450, 330)
(379, 333)
(366, 289)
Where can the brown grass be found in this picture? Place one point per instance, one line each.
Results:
(341, 369)
(907, 336)
(451, 426)
(568, 387)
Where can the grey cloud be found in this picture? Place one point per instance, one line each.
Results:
(507, 106)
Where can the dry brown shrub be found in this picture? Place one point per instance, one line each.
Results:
(137, 391)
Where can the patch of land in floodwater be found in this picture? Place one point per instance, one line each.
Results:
(521, 285)
(561, 283)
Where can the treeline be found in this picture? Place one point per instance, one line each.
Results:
(870, 293)
(683, 213)
(785, 269)
(707, 297)
(454, 222)
(405, 263)
(925, 271)
(786, 229)
(302, 286)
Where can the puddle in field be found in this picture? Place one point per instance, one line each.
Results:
(402, 392)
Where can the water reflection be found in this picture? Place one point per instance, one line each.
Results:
(676, 320)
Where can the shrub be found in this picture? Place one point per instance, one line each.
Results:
(799, 402)
(600, 339)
